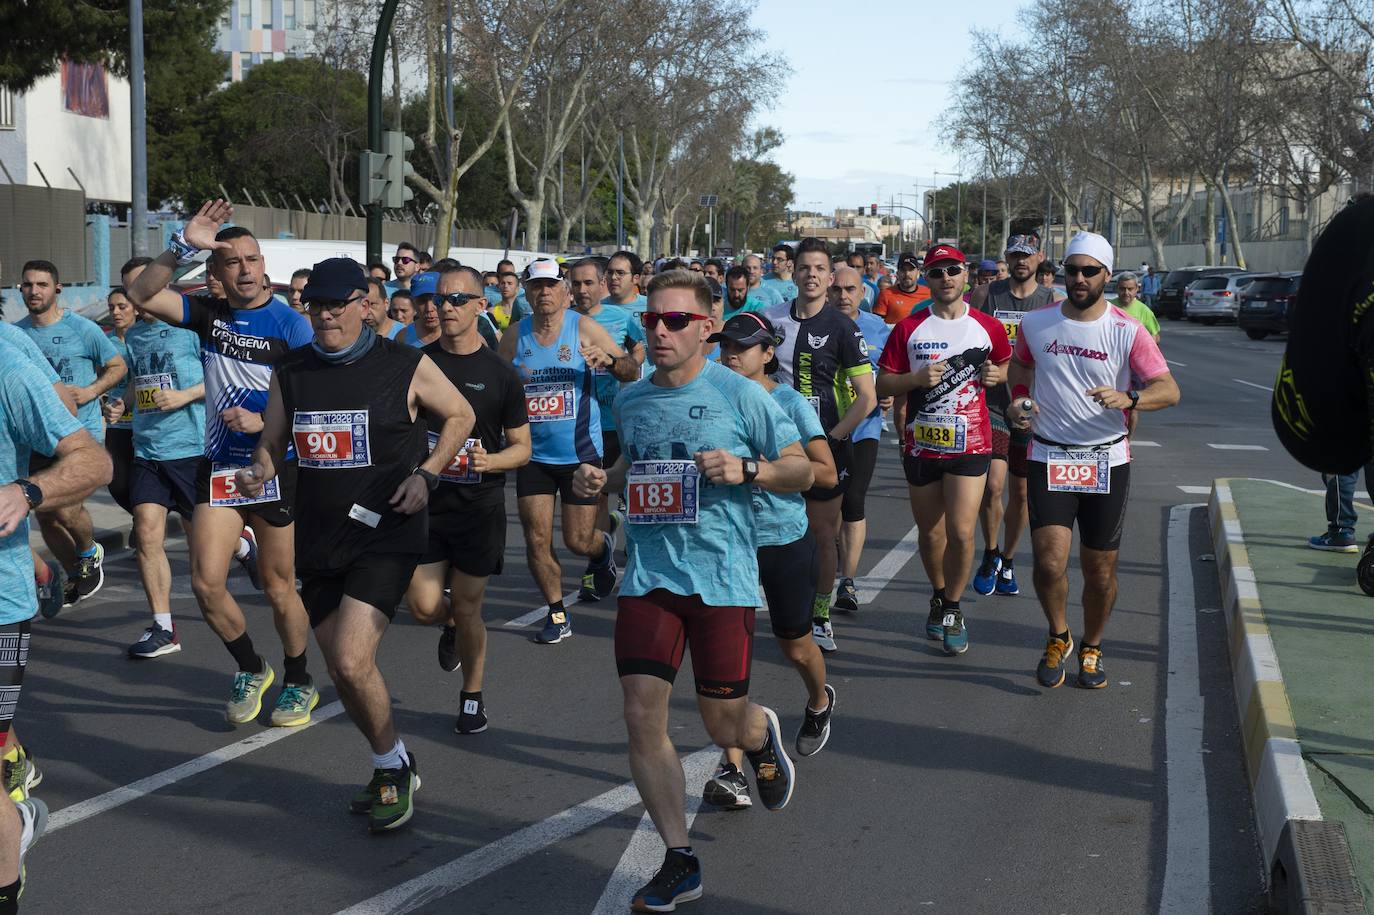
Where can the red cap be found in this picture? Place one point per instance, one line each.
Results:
(940, 253)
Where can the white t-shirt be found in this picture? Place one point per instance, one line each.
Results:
(1070, 358)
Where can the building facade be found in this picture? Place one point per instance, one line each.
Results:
(254, 31)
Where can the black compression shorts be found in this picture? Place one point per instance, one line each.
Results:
(1101, 517)
(843, 453)
(788, 575)
(860, 475)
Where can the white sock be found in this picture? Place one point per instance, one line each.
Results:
(242, 551)
(396, 759)
(164, 620)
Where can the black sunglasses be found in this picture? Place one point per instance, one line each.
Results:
(456, 299)
(1071, 270)
(951, 270)
(673, 320)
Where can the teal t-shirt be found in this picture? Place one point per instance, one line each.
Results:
(715, 557)
(751, 303)
(121, 390)
(21, 341)
(163, 356)
(767, 295)
(780, 517)
(785, 288)
(32, 418)
(635, 308)
(626, 331)
(74, 347)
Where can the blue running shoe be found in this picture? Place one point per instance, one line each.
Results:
(935, 621)
(155, 643)
(557, 627)
(50, 596)
(954, 632)
(678, 880)
(1334, 542)
(985, 579)
(1050, 670)
(1006, 580)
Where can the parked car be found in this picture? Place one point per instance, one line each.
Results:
(1210, 299)
(1266, 304)
(1169, 301)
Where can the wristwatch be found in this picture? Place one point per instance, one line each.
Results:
(751, 469)
(1135, 399)
(430, 479)
(32, 494)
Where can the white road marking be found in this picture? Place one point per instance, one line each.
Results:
(118, 797)
(522, 843)
(645, 852)
(872, 584)
(536, 615)
(1262, 387)
(1144, 443)
(1182, 365)
(1237, 447)
(1196, 490)
(1187, 863)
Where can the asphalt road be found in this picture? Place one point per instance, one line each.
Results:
(949, 784)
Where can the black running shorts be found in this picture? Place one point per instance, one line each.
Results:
(923, 471)
(860, 475)
(843, 453)
(472, 542)
(538, 479)
(1101, 517)
(277, 513)
(376, 579)
(788, 574)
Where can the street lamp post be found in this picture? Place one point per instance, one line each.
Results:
(138, 117)
(958, 201)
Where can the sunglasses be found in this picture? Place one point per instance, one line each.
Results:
(1071, 270)
(673, 320)
(333, 306)
(402, 259)
(456, 299)
(951, 270)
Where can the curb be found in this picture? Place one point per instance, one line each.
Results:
(1310, 875)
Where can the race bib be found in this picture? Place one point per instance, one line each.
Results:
(946, 432)
(1011, 320)
(145, 386)
(549, 402)
(224, 489)
(662, 492)
(459, 470)
(331, 440)
(1079, 471)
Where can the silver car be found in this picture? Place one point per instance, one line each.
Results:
(1215, 298)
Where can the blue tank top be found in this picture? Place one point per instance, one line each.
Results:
(560, 395)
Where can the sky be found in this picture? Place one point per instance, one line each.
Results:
(856, 114)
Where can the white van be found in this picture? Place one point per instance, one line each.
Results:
(284, 256)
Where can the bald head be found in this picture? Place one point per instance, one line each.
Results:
(847, 290)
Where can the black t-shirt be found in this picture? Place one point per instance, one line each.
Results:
(1000, 298)
(492, 386)
(818, 356)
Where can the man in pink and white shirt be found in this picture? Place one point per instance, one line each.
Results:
(1077, 372)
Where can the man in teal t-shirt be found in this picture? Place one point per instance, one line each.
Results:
(88, 363)
(738, 298)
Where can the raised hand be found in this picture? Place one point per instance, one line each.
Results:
(203, 227)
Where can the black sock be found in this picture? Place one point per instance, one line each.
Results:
(244, 655)
(464, 696)
(991, 551)
(951, 605)
(293, 670)
(9, 896)
(1062, 636)
(1008, 562)
(556, 607)
(940, 595)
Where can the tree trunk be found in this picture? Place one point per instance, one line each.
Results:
(1232, 230)
(692, 233)
(644, 225)
(1209, 231)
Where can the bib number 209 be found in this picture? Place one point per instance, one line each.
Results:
(1079, 471)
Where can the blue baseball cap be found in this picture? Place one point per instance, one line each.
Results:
(988, 266)
(424, 284)
(335, 279)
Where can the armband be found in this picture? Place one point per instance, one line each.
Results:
(184, 251)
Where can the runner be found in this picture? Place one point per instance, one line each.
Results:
(846, 294)
(780, 280)
(1007, 301)
(824, 357)
(89, 365)
(405, 263)
(753, 265)
(167, 398)
(692, 577)
(906, 294)
(738, 298)
(786, 555)
(350, 402)
(401, 309)
(557, 354)
(1073, 372)
(622, 278)
(425, 330)
(509, 306)
(941, 359)
(242, 337)
(32, 419)
(119, 426)
(467, 512)
(375, 311)
(588, 281)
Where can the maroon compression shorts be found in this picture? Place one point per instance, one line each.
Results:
(653, 630)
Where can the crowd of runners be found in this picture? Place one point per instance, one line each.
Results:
(348, 452)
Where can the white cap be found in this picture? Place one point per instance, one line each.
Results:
(542, 269)
(1093, 245)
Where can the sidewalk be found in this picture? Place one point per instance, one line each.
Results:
(1302, 636)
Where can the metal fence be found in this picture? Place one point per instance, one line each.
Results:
(47, 224)
(279, 222)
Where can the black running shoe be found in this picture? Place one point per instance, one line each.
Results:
(90, 573)
(815, 729)
(846, 597)
(678, 880)
(727, 789)
(472, 717)
(448, 649)
(773, 772)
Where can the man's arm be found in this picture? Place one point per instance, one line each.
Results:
(865, 399)
(791, 472)
(506, 350)
(891, 384)
(169, 400)
(1159, 393)
(109, 375)
(81, 466)
(599, 349)
(1021, 378)
(515, 455)
(271, 445)
(431, 391)
(149, 289)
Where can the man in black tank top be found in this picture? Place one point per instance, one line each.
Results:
(350, 402)
(1007, 300)
(467, 513)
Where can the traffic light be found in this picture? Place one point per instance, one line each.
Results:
(371, 177)
(872, 209)
(396, 148)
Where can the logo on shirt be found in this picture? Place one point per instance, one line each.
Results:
(817, 342)
(476, 387)
(930, 344)
(565, 353)
(1055, 348)
(56, 340)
